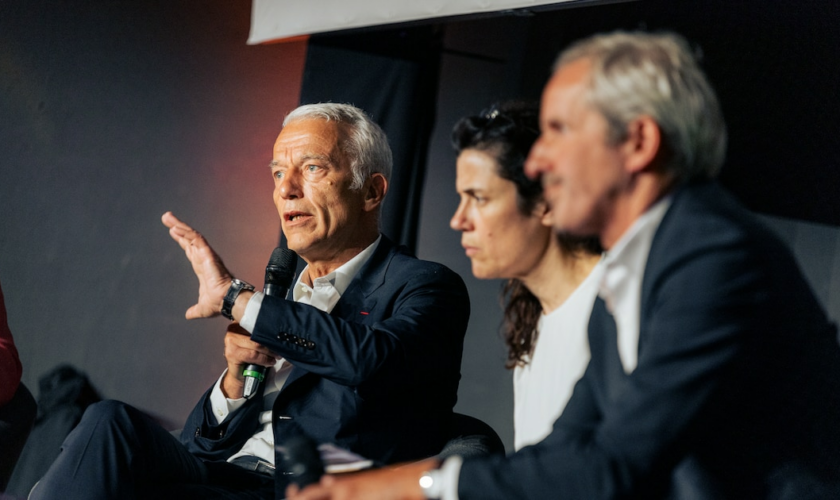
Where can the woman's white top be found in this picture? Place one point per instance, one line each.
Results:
(542, 388)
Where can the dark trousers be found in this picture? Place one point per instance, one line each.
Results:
(118, 452)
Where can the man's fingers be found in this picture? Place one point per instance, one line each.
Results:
(243, 350)
(193, 312)
(182, 242)
(199, 311)
(169, 220)
(176, 227)
(242, 338)
(185, 235)
(263, 360)
(244, 341)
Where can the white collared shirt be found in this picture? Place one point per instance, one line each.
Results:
(621, 285)
(324, 294)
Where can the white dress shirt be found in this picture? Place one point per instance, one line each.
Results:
(323, 294)
(621, 286)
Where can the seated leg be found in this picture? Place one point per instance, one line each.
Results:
(115, 451)
(226, 482)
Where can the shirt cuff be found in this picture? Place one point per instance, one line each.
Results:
(221, 405)
(252, 310)
(450, 471)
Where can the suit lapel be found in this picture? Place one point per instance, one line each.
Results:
(603, 342)
(659, 256)
(357, 303)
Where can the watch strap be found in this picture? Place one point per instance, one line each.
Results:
(236, 287)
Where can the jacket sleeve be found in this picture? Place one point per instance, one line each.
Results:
(419, 317)
(206, 439)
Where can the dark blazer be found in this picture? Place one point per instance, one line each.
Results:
(378, 375)
(737, 389)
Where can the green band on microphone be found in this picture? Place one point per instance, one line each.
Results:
(253, 373)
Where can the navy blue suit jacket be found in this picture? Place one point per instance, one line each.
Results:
(737, 389)
(378, 375)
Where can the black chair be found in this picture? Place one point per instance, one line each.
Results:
(469, 437)
(16, 420)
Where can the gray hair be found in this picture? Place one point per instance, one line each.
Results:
(366, 147)
(635, 74)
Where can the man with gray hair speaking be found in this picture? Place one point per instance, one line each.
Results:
(714, 371)
(367, 356)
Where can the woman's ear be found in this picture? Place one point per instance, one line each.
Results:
(543, 211)
(375, 188)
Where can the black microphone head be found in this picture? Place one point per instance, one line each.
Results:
(302, 459)
(283, 258)
(280, 271)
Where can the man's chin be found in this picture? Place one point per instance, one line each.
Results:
(297, 245)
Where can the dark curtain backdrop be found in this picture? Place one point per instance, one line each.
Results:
(392, 75)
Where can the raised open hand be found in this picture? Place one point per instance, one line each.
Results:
(213, 277)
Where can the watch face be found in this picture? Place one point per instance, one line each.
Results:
(242, 285)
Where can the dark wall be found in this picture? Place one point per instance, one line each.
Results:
(112, 112)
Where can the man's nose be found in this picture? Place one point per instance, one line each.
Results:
(289, 186)
(535, 164)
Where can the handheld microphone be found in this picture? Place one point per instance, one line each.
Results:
(303, 460)
(279, 275)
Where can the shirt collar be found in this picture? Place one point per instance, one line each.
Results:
(621, 285)
(625, 262)
(340, 278)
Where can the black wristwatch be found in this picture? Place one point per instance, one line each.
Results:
(236, 287)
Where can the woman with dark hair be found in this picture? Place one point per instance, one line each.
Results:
(552, 279)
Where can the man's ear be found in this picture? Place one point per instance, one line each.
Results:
(642, 145)
(375, 188)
